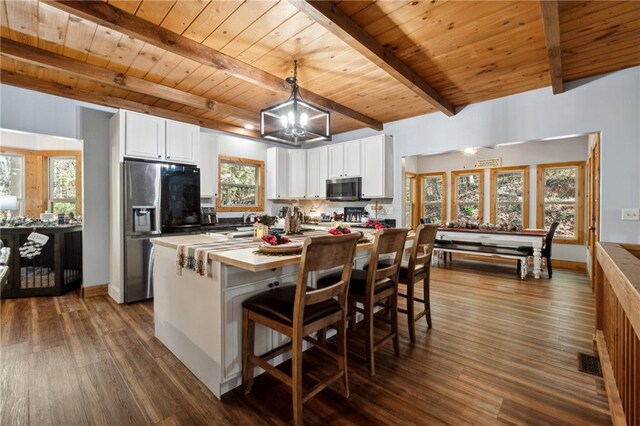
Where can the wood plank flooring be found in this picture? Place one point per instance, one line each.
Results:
(501, 351)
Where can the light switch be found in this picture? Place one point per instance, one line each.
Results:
(630, 214)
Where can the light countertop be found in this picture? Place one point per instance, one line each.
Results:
(242, 252)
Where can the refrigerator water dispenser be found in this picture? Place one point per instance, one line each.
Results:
(144, 219)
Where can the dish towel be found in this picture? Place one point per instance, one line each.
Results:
(185, 255)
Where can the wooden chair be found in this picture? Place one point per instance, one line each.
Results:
(546, 249)
(416, 269)
(298, 311)
(376, 287)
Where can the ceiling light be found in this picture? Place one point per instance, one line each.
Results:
(470, 151)
(249, 126)
(295, 121)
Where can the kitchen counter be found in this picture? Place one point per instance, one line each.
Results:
(199, 318)
(242, 252)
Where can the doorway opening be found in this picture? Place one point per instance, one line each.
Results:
(41, 208)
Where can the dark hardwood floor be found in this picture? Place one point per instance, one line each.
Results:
(501, 351)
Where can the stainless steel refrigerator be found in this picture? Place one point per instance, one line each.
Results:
(142, 213)
(159, 199)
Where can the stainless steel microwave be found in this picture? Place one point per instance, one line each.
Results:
(344, 189)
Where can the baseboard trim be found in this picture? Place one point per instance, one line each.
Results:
(557, 263)
(94, 290)
(570, 265)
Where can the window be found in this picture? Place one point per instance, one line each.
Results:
(241, 186)
(510, 195)
(12, 179)
(62, 185)
(467, 189)
(409, 199)
(434, 196)
(560, 194)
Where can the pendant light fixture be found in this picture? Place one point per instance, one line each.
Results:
(295, 121)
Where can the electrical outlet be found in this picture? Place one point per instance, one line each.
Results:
(630, 214)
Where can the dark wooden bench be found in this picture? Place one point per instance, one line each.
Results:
(485, 250)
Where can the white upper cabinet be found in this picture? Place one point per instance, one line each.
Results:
(317, 169)
(377, 166)
(277, 173)
(155, 138)
(344, 160)
(297, 173)
(352, 159)
(182, 141)
(303, 173)
(336, 161)
(144, 136)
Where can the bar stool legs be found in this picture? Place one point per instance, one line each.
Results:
(248, 333)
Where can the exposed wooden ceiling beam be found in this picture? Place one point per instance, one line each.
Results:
(334, 20)
(108, 16)
(551, 25)
(50, 60)
(53, 88)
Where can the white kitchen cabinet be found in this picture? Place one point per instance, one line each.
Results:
(182, 141)
(344, 160)
(377, 166)
(277, 173)
(208, 164)
(297, 173)
(154, 138)
(144, 136)
(264, 338)
(336, 161)
(317, 170)
(352, 159)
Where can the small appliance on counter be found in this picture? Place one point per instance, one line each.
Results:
(208, 215)
(354, 214)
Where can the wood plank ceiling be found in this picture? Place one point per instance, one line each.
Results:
(466, 51)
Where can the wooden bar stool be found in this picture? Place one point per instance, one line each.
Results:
(376, 287)
(297, 311)
(417, 268)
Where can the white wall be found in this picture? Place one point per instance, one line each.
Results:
(36, 112)
(609, 104)
(94, 131)
(529, 153)
(37, 142)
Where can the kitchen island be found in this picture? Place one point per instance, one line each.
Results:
(199, 318)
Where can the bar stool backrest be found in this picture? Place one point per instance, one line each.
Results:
(322, 253)
(422, 249)
(386, 241)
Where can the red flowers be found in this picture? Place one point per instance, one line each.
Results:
(275, 239)
(339, 231)
(375, 224)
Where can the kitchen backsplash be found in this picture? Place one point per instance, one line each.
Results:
(318, 207)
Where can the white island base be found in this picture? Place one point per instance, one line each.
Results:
(199, 319)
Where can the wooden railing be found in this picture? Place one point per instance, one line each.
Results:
(617, 287)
